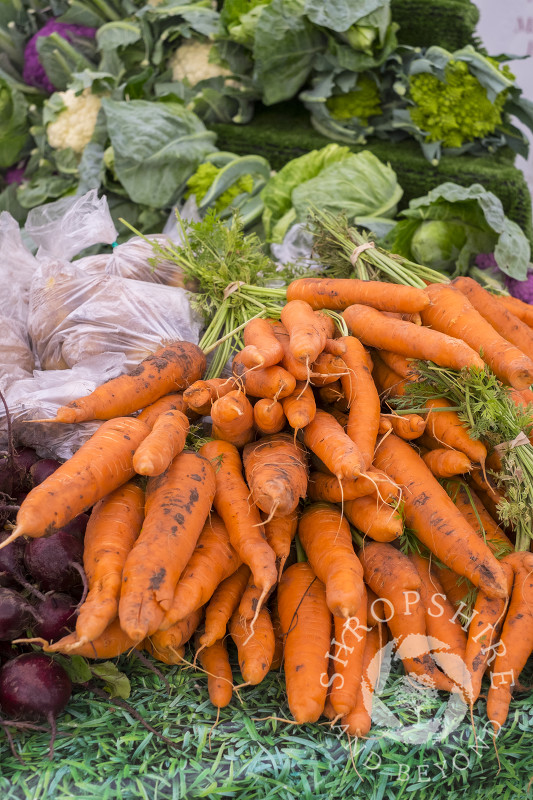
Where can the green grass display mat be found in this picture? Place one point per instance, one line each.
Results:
(447, 23)
(102, 753)
(285, 132)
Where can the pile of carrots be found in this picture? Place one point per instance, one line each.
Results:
(197, 544)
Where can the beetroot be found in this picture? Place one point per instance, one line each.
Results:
(77, 526)
(57, 617)
(12, 563)
(42, 469)
(54, 561)
(16, 614)
(15, 477)
(7, 651)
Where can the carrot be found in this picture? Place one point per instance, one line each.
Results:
(387, 381)
(446, 427)
(276, 472)
(486, 493)
(362, 396)
(516, 638)
(340, 416)
(233, 419)
(415, 318)
(357, 722)
(296, 368)
(113, 527)
(408, 426)
(349, 648)
(326, 369)
(523, 311)
(307, 337)
(374, 518)
(331, 392)
(483, 644)
(306, 625)
(393, 577)
(452, 313)
(268, 416)
(251, 601)
(327, 323)
(262, 349)
(473, 510)
(496, 314)
(170, 402)
(325, 437)
(300, 407)
(411, 341)
(177, 505)
(272, 382)
(403, 366)
(201, 395)
(447, 463)
(375, 613)
(112, 642)
(172, 367)
(255, 648)
(241, 517)
(164, 442)
(212, 561)
(441, 625)
(280, 531)
(337, 294)
(438, 523)
(326, 538)
(456, 587)
(166, 645)
(328, 488)
(223, 603)
(277, 659)
(215, 661)
(102, 464)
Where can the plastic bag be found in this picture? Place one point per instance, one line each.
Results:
(135, 260)
(38, 397)
(17, 267)
(16, 357)
(296, 249)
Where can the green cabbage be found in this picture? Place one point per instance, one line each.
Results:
(14, 125)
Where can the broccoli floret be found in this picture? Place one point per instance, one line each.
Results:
(199, 183)
(362, 103)
(455, 110)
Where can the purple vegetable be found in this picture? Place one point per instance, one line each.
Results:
(485, 261)
(14, 175)
(523, 290)
(77, 526)
(57, 617)
(42, 469)
(16, 614)
(14, 477)
(54, 561)
(7, 651)
(34, 73)
(12, 564)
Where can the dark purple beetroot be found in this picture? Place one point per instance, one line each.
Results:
(7, 651)
(12, 565)
(33, 686)
(42, 470)
(57, 617)
(77, 526)
(16, 615)
(16, 477)
(54, 561)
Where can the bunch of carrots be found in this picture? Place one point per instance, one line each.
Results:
(196, 543)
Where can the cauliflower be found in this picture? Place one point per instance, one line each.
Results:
(191, 63)
(362, 103)
(456, 110)
(523, 290)
(74, 126)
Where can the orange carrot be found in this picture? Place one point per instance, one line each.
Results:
(262, 349)
(277, 659)
(306, 625)
(233, 419)
(357, 722)
(273, 382)
(255, 648)
(438, 523)
(415, 318)
(212, 561)
(223, 603)
(449, 431)
(215, 661)
(102, 464)
(403, 366)
(164, 442)
(337, 294)
(300, 407)
(387, 381)
(201, 395)
(349, 648)
(393, 577)
(112, 642)
(177, 505)
(112, 529)
(241, 517)
(408, 426)
(496, 314)
(276, 472)
(280, 531)
(411, 341)
(473, 510)
(268, 416)
(328, 488)
(340, 416)
(166, 645)
(374, 518)
(457, 588)
(452, 313)
(170, 402)
(326, 538)
(447, 463)
(172, 367)
(362, 396)
(523, 311)
(307, 337)
(296, 368)
(326, 369)
(251, 601)
(325, 437)
(331, 392)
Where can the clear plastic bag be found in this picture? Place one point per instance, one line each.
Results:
(16, 358)
(17, 267)
(135, 260)
(296, 249)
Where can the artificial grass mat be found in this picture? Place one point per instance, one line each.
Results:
(102, 753)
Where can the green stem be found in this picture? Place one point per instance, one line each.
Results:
(300, 552)
(230, 334)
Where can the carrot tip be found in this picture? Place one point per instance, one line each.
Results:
(15, 534)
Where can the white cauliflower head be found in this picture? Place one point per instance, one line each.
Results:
(191, 62)
(74, 125)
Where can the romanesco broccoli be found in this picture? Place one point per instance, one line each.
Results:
(456, 110)
(199, 183)
(362, 103)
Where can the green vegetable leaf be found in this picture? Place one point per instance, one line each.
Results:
(76, 667)
(60, 60)
(13, 124)
(339, 15)
(116, 683)
(157, 148)
(118, 34)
